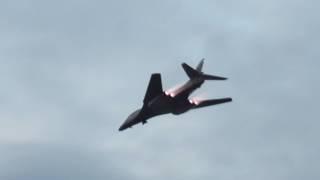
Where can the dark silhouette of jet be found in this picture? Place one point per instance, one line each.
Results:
(157, 102)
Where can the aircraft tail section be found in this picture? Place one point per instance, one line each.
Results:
(200, 65)
(192, 73)
(197, 73)
(154, 87)
(212, 77)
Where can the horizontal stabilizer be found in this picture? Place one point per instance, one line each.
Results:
(154, 87)
(192, 73)
(197, 73)
(212, 102)
(212, 77)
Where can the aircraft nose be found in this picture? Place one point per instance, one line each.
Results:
(122, 127)
(130, 120)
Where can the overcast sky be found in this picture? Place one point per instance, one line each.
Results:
(71, 71)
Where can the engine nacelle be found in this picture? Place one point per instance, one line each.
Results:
(182, 108)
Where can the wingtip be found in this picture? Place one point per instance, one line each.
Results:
(155, 74)
(184, 64)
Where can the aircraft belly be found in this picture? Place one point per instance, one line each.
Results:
(187, 89)
(182, 107)
(160, 105)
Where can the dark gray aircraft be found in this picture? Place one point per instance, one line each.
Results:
(157, 102)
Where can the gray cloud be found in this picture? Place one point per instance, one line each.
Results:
(71, 71)
(49, 161)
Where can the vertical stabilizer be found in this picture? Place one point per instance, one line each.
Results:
(197, 73)
(200, 65)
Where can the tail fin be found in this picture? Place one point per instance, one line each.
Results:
(200, 65)
(154, 87)
(197, 73)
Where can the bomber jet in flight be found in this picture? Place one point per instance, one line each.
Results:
(157, 102)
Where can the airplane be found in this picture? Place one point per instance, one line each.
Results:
(158, 102)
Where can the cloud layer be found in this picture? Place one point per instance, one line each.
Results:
(71, 72)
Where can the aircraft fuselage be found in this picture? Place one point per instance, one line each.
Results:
(157, 102)
(176, 103)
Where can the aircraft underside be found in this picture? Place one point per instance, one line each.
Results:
(157, 102)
